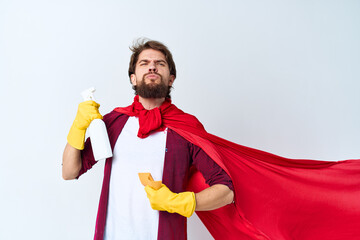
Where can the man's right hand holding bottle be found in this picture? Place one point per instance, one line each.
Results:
(87, 111)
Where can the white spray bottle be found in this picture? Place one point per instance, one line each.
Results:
(97, 131)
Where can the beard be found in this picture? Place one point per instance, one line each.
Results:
(152, 90)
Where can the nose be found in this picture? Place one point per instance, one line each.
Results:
(152, 67)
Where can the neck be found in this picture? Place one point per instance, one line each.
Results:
(151, 103)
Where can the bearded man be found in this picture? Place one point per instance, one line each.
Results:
(142, 142)
(238, 192)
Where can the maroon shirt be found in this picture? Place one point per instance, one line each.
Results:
(180, 156)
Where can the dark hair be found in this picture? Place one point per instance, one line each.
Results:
(142, 44)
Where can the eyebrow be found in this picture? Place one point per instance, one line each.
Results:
(157, 61)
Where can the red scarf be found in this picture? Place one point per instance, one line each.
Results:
(275, 197)
(149, 120)
(157, 119)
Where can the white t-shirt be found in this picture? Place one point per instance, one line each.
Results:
(129, 214)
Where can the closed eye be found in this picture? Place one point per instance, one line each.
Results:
(143, 62)
(161, 63)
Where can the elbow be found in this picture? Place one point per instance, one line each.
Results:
(230, 197)
(69, 175)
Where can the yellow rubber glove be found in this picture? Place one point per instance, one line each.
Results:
(165, 200)
(87, 111)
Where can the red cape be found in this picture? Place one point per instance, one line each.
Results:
(275, 197)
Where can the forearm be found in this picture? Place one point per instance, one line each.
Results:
(71, 162)
(213, 197)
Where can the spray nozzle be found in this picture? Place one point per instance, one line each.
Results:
(88, 94)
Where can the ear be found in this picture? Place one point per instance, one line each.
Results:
(171, 80)
(133, 79)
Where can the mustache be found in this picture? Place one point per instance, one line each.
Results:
(152, 73)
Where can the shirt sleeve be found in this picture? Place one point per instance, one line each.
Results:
(211, 171)
(114, 123)
(87, 156)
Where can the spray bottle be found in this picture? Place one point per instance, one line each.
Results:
(97, 131)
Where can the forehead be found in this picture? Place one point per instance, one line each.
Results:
(151, 54)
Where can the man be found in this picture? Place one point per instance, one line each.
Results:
(142, 142)
(266, 196)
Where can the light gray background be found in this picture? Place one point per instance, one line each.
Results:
(281, 76)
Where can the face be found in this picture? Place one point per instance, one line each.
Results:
(152, 75)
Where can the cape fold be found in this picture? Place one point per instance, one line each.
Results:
(276, 198)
